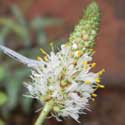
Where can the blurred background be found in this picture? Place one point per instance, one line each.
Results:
(27, 25)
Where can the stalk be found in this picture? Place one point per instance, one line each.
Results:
(46, 109)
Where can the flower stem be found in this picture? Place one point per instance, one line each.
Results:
(46, 109)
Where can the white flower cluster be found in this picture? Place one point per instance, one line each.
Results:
(70, 84)
(60, 78)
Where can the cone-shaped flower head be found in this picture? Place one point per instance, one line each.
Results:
(86, 31)
(66, 77)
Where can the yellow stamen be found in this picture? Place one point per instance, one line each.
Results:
(52, 46)
(97, 80)
(79, 53)
(100, 73)
(87, 82)
(46, 58)
(85, 63)
(39, 58)
(94, 95)
(93, 65)
(86, 66)
(43, 51)
(101, 86)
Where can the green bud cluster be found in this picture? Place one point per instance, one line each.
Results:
(86, 31)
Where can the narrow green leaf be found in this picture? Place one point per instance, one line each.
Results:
(2, 73)
(26, 104)
(3, 98)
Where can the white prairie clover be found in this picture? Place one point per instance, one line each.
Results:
(63, 82)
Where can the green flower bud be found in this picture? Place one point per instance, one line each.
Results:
(87, 29)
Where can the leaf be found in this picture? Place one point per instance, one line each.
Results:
(13, 88)
(10, 25)
(26, 104)
(42, 38)
(44, 22)
(3, 98)
(18, 14)
(2, 122)
(22, 24)
(21, 74)
(3, 34)
(2, 73)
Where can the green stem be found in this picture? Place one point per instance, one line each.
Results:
(46, 109)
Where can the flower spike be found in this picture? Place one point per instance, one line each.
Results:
(83, 37)
(63, 82)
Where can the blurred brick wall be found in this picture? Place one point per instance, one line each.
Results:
(110, 45)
